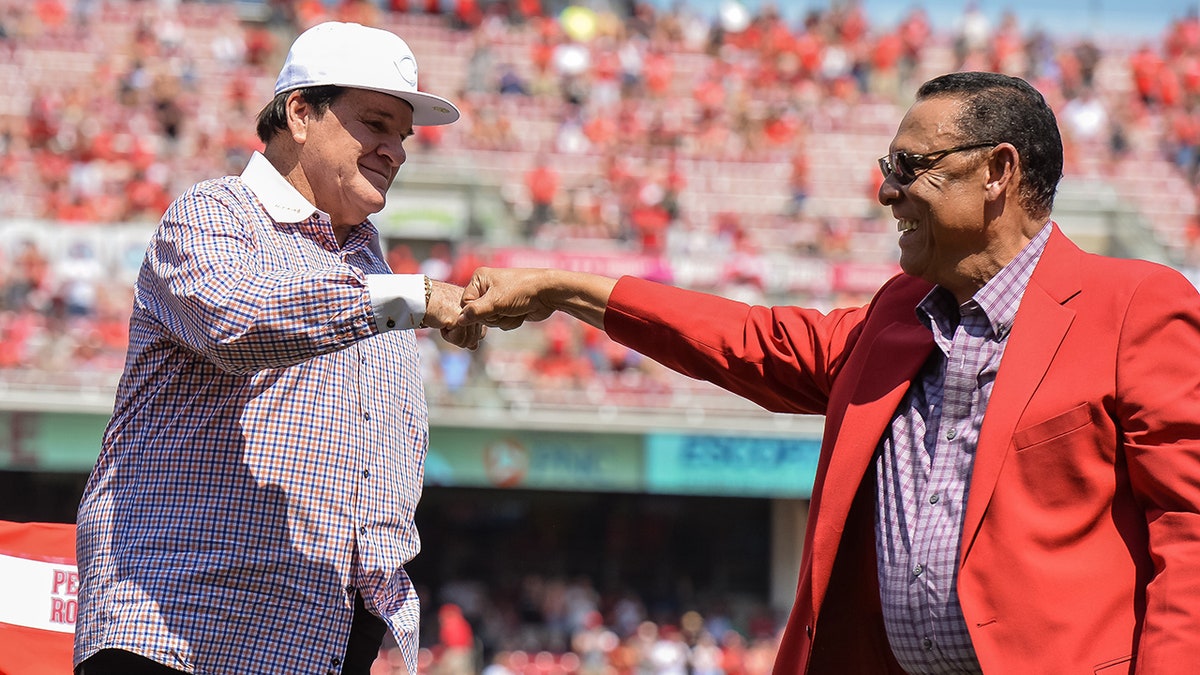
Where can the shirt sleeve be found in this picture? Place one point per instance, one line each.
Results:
(246, 298)
(398, 300)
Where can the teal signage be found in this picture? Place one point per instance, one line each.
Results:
(731, 465)
(34, 441)
(652, 462)
(543, 460)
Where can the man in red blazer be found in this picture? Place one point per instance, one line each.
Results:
(1010, 474)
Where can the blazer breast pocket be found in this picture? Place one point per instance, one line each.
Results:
(1060, 425)
(1061, 461)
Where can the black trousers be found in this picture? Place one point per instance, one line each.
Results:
(366, 635)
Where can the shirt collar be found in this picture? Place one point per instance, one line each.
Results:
(282, 201)
(999, 297)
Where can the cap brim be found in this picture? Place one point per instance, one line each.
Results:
(428, 110)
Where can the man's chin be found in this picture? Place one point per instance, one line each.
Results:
(376, 202)
(911, 267)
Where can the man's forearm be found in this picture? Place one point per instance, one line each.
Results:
(583, 296)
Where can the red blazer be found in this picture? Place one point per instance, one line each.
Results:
(1081, 542)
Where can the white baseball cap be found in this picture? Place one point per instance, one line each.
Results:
(353, 55)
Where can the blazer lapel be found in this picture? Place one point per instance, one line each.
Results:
(895, 356)
(1039, 328)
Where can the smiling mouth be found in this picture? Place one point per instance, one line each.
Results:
(903, 226)
(377, 172)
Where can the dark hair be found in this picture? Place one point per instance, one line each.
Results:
(273, 117)
(1009, 110)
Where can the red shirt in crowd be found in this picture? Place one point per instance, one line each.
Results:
(542, 182)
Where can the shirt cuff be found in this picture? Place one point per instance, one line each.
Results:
(397, 299)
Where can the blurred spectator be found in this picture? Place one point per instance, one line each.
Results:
(439, 264)
(456, 641)
(559, 364)
(914, 32)
(1007, 49)
(649, 216)
(1182, 139)
(886, 73)
(502, 664)
(798, 181)
(28, 284)
(972, 38)
(1086, 117)
(569, 138)
(401, 260)
(594, 643)
(489, 125)
(358, 11)
(542, 183)
(669, 655)
(145, 199)
(511, 83)
(1086, 134)
(16, 329)
(1146, 67)
(480, 65)
(79, 275)
(706, 657)
(467, 14)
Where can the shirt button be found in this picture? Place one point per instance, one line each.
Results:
(335, 661)
(951, 434)
(918, 569)
(366, 473)
(367, 416)
(362, 530)
(349, 589)
(391, 323)
(933, 498)
(927, 643)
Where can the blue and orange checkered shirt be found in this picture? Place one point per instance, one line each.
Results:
(265, 455)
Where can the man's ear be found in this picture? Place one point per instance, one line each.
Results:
(299, 115)
(1004, 168)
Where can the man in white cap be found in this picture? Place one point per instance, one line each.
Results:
(252, 506)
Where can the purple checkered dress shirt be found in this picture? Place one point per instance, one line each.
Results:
(923, 470)
(265, 455)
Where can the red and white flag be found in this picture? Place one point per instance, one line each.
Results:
(39, 585)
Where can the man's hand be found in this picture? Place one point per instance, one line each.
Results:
(442, 312)
(507, 298)
(504, 298)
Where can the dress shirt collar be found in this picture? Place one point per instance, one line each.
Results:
(999, 297)
(283, 202)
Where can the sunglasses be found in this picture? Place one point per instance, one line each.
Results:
(906, 165)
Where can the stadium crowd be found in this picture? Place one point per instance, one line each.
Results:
(660, 135)
(691, 149)
(556, 626)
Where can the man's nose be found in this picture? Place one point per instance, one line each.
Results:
(889, 191)
(394, 151)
